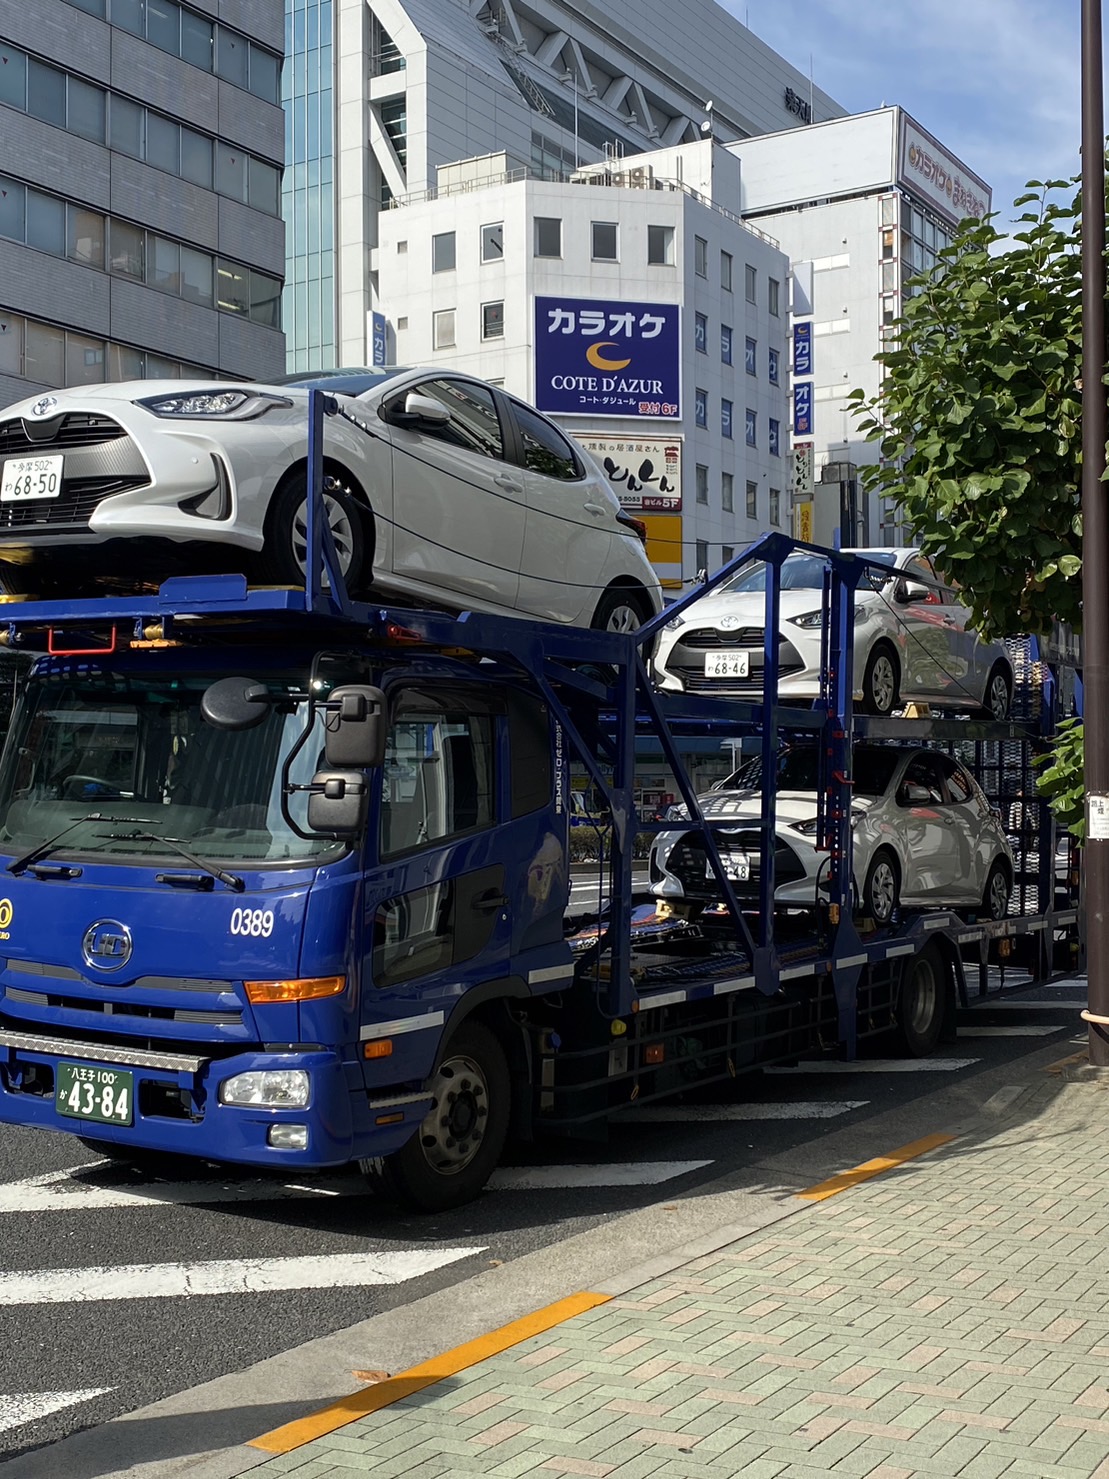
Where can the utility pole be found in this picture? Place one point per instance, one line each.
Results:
(1095, 537)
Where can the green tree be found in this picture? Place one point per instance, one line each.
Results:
(978, 420)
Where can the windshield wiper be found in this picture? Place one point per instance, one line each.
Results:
(232, 880)
(40, 850)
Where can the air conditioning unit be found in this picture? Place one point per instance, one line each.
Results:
(642, 177)
(617, 177)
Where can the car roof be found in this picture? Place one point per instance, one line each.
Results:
(353, 380)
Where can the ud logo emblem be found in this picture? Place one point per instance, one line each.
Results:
(106, 945)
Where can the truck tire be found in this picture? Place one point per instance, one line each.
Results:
(921, 1003)
(454, 1152)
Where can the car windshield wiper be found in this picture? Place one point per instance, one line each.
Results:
(40, 850)
(232, 880)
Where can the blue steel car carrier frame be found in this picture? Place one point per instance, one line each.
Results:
(584, 1018)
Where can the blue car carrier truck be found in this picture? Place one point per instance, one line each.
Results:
(284, 881)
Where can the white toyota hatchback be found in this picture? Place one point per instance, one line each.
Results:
(923, 835)
(912, 641)
(442, 489)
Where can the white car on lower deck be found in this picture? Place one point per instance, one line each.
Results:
(923, 836)
(912, 642)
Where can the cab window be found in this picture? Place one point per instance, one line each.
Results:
(438, 777)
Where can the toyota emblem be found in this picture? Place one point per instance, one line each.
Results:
(44, 405)
(106, 945)
(728, 623)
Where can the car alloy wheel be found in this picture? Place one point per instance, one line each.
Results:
(341, 521)
(880, 682)
(997, 700)
(880, 894)
(995, 900)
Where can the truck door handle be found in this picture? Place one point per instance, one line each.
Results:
(488, 902)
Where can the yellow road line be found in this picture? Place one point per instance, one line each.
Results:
(385, 1393)
(847, 1179)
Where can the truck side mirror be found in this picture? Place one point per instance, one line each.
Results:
(338, 802)
(354, 727)
(235, 703)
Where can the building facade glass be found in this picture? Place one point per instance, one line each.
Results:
(308, 190)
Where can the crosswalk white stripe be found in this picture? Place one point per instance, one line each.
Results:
(882, 1065)
(1018, 1029)
(799, 1109)
(29, 1407)
(222, 1276)
(558, 1178)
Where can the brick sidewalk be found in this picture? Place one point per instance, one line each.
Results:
(949, 1318)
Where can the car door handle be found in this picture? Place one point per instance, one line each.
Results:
(949, 621)
(597, 509)
(510, 483)
(488, 902)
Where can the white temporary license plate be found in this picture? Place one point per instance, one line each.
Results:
(727, 664)
(737, 866)
(31, 477)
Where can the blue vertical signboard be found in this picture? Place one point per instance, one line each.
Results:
(802, 349)
(802, 408)
(599, 358)
(379, 338)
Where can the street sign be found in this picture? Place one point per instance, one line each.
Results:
(378, 339)
(802, 521)
(802, 349)
(801, 474)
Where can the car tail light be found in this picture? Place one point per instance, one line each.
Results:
(636, 525)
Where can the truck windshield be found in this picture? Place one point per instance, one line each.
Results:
(105, 744)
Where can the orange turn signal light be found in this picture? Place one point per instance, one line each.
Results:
(381, 1047)
(310, 989)
(654, 1052)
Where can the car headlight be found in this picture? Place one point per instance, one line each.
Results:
(674, 623)
(810, 619)
(222, 405)
(270, 1088)
(807, 829)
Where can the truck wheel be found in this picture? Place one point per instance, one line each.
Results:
(921, 998)
(453, 1153)
(285, 551)
(881, 681)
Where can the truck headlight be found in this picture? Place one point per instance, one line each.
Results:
(268, 1088)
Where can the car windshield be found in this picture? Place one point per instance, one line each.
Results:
(138, 749)
(798, 770)
(802, 572)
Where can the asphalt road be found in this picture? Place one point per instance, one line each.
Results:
(118, 1288)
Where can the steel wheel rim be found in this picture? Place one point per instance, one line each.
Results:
(922, 1008)
(342, 531)
(452, 1131)
(623, 619)
(998, 704)
(883, 890)
(998, 896)
(881, 683)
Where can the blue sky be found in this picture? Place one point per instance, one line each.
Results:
(996, 81)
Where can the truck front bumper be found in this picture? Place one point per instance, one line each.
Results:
(176, 1104)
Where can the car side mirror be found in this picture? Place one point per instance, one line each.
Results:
(235, 703)
(909, 591)
(426, 408)
(338, 803)
(354, 727)
(914, 794)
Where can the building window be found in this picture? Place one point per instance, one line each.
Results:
(52, 356)
(700, 256)
(548, 236)
(702, 557)
(660, 246)
(752, 284)
(775, 506)
(442, 252)
(752, 424)
(701, 333)
(492, 242)
(751, 356)
(773, 366)
(701, 406)
(702, 483)
(604, 241)
(727, 492)
(492, 320)
(752, 500)
(775, 439)
(726, 419)
(727, 553)
(725, 344)
(442, 329)
(773, 292)
(726, 271)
